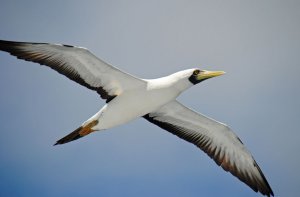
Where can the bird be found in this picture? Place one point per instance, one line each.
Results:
(128, 97)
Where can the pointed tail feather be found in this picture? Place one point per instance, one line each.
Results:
(72, 136)
(78, 133)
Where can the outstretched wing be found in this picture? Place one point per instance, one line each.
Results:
(76, 63)
(215, 139)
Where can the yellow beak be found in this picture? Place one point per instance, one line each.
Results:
(204, 74)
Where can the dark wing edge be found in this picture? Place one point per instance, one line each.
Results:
(204, 142)
(54, 61)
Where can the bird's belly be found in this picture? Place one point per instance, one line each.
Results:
(130, 106)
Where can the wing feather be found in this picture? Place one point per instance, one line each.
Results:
(215, 139)
(76, 63)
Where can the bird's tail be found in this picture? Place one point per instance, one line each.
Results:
(78, 133)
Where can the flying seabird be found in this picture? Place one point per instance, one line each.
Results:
(129, 97)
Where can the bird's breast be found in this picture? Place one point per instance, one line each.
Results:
(131, 105)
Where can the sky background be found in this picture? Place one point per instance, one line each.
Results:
(256, 42)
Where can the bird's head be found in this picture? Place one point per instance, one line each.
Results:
(197, 76)
(183, 80)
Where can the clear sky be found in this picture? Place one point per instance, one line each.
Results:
(256, 42)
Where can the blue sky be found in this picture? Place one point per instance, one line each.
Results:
(257, 44)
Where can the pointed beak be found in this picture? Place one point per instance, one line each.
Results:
(204, 74)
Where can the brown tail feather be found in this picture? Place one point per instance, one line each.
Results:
(72, 136)
(78, 133)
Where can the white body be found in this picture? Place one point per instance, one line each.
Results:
(140, 101)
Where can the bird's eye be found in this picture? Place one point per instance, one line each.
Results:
(196, 72)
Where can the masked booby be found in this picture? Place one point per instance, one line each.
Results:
(129, 97)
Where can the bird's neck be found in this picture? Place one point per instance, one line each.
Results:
(170, 82)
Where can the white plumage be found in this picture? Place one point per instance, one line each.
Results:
(128, 97)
